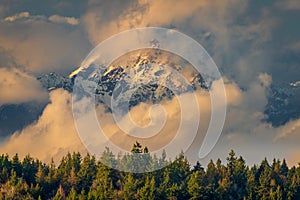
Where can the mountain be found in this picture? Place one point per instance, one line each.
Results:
(14, 117)
(142, 78)
(283, 104)
(53, 81)
(283, 100)
(119, 80)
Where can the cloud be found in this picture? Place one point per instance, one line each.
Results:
(246, 108)
(248, 133)
(295, 46)
(293, 159)
(155, 138)
(245, 38)
(42, 45)
(289, 5)
(7, 60)
(61, 19)
(53, 135)
(15, 17)
(291, 130)
(234, 44)
(265, 79)
(18, 86)
(100, 23)
(48, 7)
(245, 129)
(52, 18)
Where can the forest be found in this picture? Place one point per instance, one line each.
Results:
(84, 177)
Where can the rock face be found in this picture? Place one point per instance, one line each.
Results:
(14, 117)
(283, 104)
(53, 81)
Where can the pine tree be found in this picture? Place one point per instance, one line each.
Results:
(40, 175)
(137, 148)
(264, 180)
(73, 179)
(279, 193)
(283, 168)
(130, 188)
(197, 167)
(251, 185)
(51, 179)
(236, 176)
(147, 192)
(211, 174)
(72, 195)
(16, 165)
(102, 187)
(29, 169)
(87, 172)
(82, 195)
(58, 195)
(195, 188)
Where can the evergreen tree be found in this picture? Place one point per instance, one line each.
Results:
(147, 192)
(40, 175)
(130, 188)
(77, 178)
(264, 180)
(102, 187)
(195, 187)
(29, 169)
(72, 195)
(16, 165)
(60, 195)
(87, 172)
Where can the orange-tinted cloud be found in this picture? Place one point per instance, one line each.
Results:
(53, 135)
(101, 23)
(17, 86)
(41, 44)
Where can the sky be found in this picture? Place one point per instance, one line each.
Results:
(255, 44)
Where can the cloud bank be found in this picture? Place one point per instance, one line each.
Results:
(17, 87)
(46, 43)
(52, 136)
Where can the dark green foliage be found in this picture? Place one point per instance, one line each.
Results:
(147, 192)
(78, 178)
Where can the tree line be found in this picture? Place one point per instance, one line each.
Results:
(78, 177)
